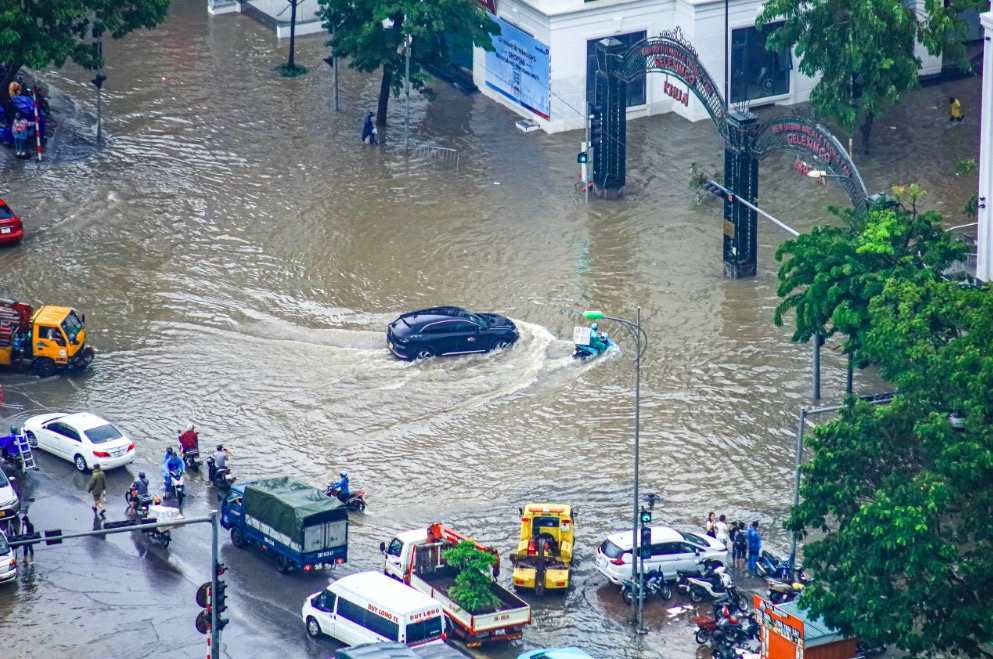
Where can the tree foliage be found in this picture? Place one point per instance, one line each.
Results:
(360, 35)
(473, 585)
(829, 276)
(863, 50)
(38, 33)
(900, 499)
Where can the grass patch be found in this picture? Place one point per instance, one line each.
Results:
(288, 71)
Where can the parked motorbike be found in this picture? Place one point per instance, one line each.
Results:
(655, 585)
(354, 501)
(192, 459)
(222, 477)
(716, 586)
(869, 648)
(778, 567)
(784, 591)
(705, 569)
(176, 486)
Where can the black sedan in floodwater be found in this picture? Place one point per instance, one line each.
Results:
(448, 331)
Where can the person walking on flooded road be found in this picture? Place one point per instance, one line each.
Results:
(98, 487)
(954, 111)
(369, 132)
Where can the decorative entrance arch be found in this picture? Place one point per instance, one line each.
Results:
(745, 140)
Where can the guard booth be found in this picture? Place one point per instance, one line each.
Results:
(789, 632)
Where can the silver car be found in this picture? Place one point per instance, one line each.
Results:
(671, 550)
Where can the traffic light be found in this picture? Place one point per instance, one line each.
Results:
(219, 598)
(646, 542)
(582, 158)
(203, 600)
(716, 189)
(596, 124)
(646, 517)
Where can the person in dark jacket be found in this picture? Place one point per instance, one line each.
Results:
(98, 487)
(368, 130)
(27, 527)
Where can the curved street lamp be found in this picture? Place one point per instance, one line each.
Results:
(637, 573)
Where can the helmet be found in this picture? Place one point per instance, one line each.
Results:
(220, 447)
(96, 466)
(593, 327)
(190, 426)
(141, 474)
(604, 335)
(169, 450)
(158, 500)
(14, 430)
(344, 473)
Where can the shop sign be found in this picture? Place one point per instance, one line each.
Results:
(676, 93)
(780, 622)
(801, 135)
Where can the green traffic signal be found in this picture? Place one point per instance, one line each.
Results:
(646, 517)
(582, 158)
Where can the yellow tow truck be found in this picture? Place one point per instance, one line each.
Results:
(49, 340)
(544, 553)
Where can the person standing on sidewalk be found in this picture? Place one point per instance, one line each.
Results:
(722, 531)
(754, 547)
(20, 131)
(98, 487)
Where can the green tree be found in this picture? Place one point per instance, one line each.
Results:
(473, 585)
(829, 276)
(863, 50)
(359, 32)
(899, 499)
(38, 33)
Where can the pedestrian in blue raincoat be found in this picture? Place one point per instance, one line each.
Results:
(754, 546)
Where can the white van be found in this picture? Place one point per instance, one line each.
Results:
(369, 607)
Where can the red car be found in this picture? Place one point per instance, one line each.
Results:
(11, 229)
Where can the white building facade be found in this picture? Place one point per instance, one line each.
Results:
(557, 76)
(984, 234)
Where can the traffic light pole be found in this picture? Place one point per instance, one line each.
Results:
(215, 633)
(586, 165)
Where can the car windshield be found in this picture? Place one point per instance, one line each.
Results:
(610, 550)
(479, 321)
(4, 547)
(103, 433)
(71, 325)
(3, 479)
(695, 539)
(6, 213)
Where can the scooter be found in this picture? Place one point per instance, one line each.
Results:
(655, 584)
(773, 567)
(706, 570)
(716, 586)
(354, 501)
(176, 486)
(586, 352)
(783, 591)
(192, 459)
(222, 477)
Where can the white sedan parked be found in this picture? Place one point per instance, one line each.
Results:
(84, 439)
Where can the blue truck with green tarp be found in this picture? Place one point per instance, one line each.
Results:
(296, 523)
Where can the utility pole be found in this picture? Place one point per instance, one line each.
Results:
(335, 66)
(215, 632)
(406, 84)
(586, 165)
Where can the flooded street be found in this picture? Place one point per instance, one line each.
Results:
(238, 254)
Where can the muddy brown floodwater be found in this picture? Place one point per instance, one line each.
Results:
(238, 254)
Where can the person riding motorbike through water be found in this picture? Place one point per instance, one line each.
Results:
(189, 440)
(171, 462)
(220, 457)
(341, 487)
(596, 344)
(139, 488)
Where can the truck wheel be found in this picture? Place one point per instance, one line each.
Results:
(237, 537)
(85, 358)
(44, 367)
(313, 629)
(282, 565)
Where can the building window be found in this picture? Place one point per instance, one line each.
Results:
(755, 71)
(636, 87)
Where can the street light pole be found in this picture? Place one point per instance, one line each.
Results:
(406, 84)
(637, 562)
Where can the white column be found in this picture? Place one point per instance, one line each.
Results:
(984, 235)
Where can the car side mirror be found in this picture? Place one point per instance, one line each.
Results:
(382, 547)
(520, 512)
(84, 318)
(75, 342)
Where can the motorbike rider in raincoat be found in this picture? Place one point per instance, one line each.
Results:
(171, 462)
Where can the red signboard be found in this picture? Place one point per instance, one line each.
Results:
(489, 5)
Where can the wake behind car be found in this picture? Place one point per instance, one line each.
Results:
(11, 229)
(448, 331)
(671, 550)
(84, 439)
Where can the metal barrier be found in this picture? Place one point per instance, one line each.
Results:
(435, 157)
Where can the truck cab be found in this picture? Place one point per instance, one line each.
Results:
(544, 552)
(49, 340)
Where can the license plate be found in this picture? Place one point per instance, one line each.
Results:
(5, 230)
(118, 454)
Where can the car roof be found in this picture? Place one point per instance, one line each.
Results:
(385, 592)
(85, 420)
(425, 315)
(659, 533)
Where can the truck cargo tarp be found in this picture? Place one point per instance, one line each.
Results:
(289, 506)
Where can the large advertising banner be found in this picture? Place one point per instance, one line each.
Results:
(519, 68)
